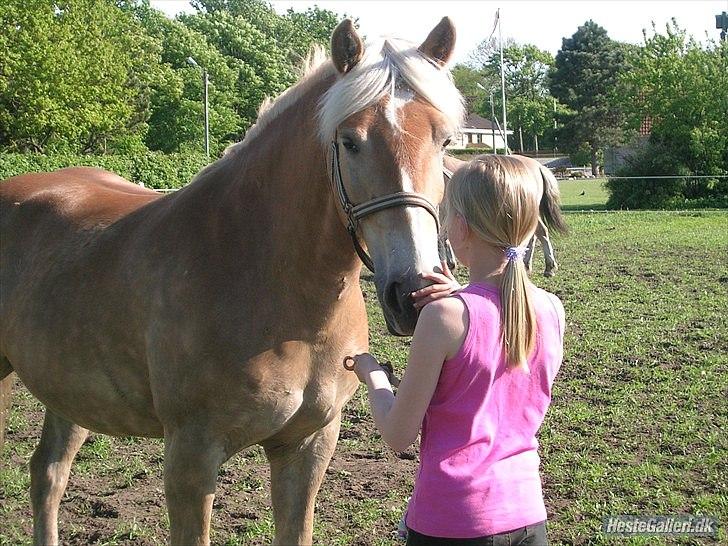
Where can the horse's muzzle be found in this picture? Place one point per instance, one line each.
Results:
(398, 305)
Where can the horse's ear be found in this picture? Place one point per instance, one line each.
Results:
(347, 47)
(440, 43)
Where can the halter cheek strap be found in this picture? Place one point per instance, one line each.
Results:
(354, 213)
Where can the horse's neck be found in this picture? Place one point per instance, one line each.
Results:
(276, 189)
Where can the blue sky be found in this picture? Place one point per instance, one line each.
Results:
(540, 22)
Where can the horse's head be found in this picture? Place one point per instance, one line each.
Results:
(389, 116)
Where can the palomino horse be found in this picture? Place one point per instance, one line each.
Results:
(550, 213)
(218, 317)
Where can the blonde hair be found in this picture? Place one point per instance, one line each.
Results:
(385, 65)
(499, 199)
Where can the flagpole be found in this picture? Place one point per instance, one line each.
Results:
(503, 87)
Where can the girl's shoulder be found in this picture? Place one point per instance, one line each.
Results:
(552, 298)
(549, 303)
(446, 318)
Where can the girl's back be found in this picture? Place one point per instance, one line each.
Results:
(478, 455)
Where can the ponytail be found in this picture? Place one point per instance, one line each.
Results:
(517, 316)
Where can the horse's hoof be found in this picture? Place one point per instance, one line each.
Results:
(549, 273)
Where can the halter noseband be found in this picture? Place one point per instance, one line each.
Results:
(354, 213)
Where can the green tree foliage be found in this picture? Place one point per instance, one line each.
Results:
(294, 32)
(72, 76)
(176, 120)
(89, 76)
(530, 107)
(682, 88)
(586, 78)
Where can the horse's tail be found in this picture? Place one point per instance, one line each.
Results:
(7, 378)
(550, 206)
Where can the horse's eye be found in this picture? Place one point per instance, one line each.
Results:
(446, 143)
(350, 146)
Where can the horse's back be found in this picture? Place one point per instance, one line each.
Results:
(85, 197)
(47, 217)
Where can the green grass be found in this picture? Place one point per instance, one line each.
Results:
(637, 424)
(594, 194)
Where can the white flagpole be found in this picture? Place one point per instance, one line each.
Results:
(503, 86)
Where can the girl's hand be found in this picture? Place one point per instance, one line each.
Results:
(444, 285)
(364, 364)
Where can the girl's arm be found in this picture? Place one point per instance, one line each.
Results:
(439, 333)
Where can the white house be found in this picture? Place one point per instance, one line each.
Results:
(478, 132)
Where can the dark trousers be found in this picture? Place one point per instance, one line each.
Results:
(531, 535)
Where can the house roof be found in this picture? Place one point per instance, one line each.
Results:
(474, 121)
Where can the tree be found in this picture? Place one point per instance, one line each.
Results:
(529, 105)
(682, 88)
(262, 47)
(294, 32)
(72, 76)
(586, 78)
(176, 116)
(89, 76)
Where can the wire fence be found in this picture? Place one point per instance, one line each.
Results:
(613, 211)
(675, 212)
(664, 177)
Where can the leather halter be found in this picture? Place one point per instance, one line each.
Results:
(354, 213)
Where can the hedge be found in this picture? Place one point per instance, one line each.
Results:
(153, 169)
(472, 151)
(686, 192)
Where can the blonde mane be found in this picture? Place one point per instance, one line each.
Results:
(385, 68)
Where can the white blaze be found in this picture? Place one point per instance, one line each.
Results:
(401, 96)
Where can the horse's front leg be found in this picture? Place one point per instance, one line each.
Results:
(192, 458)
(297, 471)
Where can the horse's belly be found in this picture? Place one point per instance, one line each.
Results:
(107, 395)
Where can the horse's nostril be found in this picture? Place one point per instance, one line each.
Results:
(391, 296)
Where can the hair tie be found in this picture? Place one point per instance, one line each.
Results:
(515, 252)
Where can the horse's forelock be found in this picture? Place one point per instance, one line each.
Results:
(375, 77)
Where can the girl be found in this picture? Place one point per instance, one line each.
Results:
(479, 374)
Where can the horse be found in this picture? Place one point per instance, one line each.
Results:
(549, 208)
(218, 317)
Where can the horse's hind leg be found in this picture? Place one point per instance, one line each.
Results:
(528, 257)
(50, 466)
(297, 471)
(548, 252)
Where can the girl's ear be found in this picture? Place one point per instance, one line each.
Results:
(460, 228)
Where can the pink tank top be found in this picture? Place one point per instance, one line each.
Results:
(478, 471)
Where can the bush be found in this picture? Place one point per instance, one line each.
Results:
(153, 169)
(687, 191)
(472, 152)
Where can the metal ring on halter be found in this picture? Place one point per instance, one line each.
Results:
(349, 363)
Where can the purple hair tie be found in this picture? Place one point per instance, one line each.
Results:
(515, 252)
